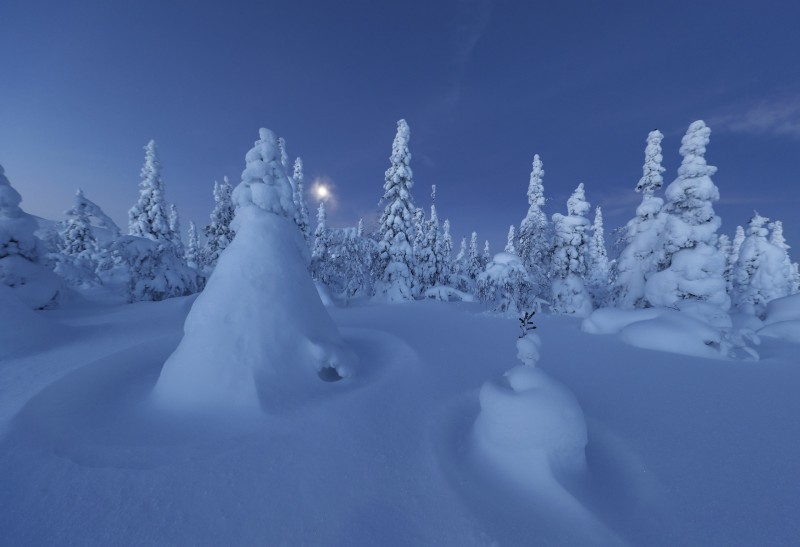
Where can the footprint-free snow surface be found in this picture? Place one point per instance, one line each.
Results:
(681, 450)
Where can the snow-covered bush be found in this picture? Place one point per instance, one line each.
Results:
(505, 285)
(151, 270)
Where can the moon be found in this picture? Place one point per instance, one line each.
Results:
(321, 192)
(322, 189)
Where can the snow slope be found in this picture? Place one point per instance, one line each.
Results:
(681, 450)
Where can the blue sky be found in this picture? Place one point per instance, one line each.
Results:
(484, 85)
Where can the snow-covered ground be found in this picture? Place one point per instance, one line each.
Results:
(681, 450)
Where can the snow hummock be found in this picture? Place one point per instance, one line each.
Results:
(783, 319)
(529, 424)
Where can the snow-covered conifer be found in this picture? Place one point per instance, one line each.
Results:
(321, 267)
(193, 256)
(21, 252)
(300, 200)
(510, 249)
(395, 261)
(777, 239)
(285, 159)
(76, 237)
(642, 234)
(505, 285)
(426, 260)
(597, 278)
(258, 337)
(473, 266)
(533, 241)
(690, 266)
(175, 229)
(760, 274)
(487, 254)
(445, 256)
(569, 257)
(726, 248)
(219, 232)
(149, 216)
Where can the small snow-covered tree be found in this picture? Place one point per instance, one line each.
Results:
(300, 200)
(642, 234)
(510, 249)
(76, 236)
(321, 267)
(777, 239)
(759, 275)
(533, 245)
(474, 265)
(487, 254)
(193, 256)
(426, 260)
(395, 260)
(219, 232)
(460, 276)
(21, 253)
(505, 285)
(569, 257)
(690, 266)
(726, 248)
(445, 256)
(149, 216)
(175, 229)
(597, 278)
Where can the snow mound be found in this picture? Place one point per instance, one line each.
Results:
(448, 294)
(783, 319)
(258, 335)
(697, 329)
(528, 420)
(783, 309)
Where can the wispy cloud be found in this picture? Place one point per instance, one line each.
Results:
(471, 20)
(776, 116)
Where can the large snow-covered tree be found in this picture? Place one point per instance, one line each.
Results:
(258, 337)
(533, 240)
(149, 217)
(642, 234)
(219, 232)
(321, 267)
(510, 248)
(690, 266)
(777, 239)
(175, 229)
(21, 252)
(444, 253)
(569, 293)
(395, 258)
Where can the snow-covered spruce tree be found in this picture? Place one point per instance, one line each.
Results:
(219, 232)
(690, 267)
(486, 257)
(569, 257)
(175, 229)
(533, 241)
(597, 278)
(445, 256)
(285, 160)
(759, 275)
(505, 285)
(426, 260)
(149, 216)
(726, 248)
(193, 256)
(321, 267)
(76, 236)
(460, 279)
(510, 249)
(21, 266)
(258, 337)
(474, 266)
(642, 234)
(777, 239)
(394, 264)
(77, 260)
(92, 210)
(300, 200)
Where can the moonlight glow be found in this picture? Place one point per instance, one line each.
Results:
(321, 190)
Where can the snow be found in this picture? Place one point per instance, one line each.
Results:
(783, 319)
(389, 455)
